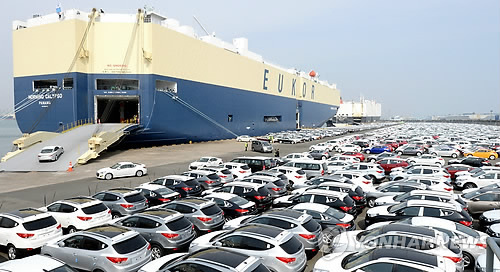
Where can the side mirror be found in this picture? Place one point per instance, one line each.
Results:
(60, 244)
(218, 244)
(475, 199)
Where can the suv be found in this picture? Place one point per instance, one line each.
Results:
(394, 188)
(479, 180)
(164, 229)
(296, 176)
(205, 161)
(297, 156)
(205, 215)
(472, 161)
(223, 172)
(184, 185)
(257, 193)
(26, 229)
(157, 194)
(239, 170)
(302, 225)
(103, 248)
(275, 173)
(275, 185)
(312, 168)
(421, 171)
(375, 171)
(36, 263)
(261, 146)
(255, 163)
(123, 201)
(207, 179)
(78, 213)
(232, 205)
(337, 200)
(278, 248)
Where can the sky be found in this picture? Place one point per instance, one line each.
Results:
(417, 58)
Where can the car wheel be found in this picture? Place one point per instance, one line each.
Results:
(492, 157)
(339, 150)
(115, 215)
(12, 252)
(400, 153)
(108, 176)
(323, 157)
(372, 160)
(434, 154)
(227, 218)
(156, 252)
(470, 186)
(468, 259)
(139, 173)
(411, 162)
(419, 154)
(71, 229)
(439, 164)
(371, 202)
(454, 155)
(469, 155)
(367, 151)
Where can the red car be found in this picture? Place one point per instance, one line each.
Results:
(358, 155)
(454, 168)
(394, 144)
(389, 163)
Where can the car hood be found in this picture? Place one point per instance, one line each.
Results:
(385, 200)
(347, 218)
(327, 262)
(493, 214)
(381, 210)
(346, 242)
(155, 265)
(283, 199)
(106, 169)
(203, 241)
(196, 163)
(232, 224)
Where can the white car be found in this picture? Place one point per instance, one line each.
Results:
(245, 138)
(361, 180)
(444, 150)
(427, 159)
(295, 175)
(122, 169)
(472, 242)
(36, 263)
(421, 171)
(417, 194)
(297, 156)
(479, 181)
(79, 213)
(240, 170)
(338, 157)
(50, 153)
(433, 183)
(322, 146)
(27, 229)
(337, 165)
(204, 162)
(349, 148)
(373, 170)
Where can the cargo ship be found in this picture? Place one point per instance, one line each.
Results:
(144, 68)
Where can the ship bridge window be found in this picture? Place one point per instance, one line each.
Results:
(68, 83)
(117, 84)
(272, 118)
(44, 84)
(166, 86)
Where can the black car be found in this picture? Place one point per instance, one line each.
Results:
(327, 217)
(254, 192)
(355, 192)
(413, 208)
(336, 200)
(361, 143)
(472, 161)
(255, 163)
(233, 205)
(186, 186)
(330, 178)
(157, 194)
(207, 179)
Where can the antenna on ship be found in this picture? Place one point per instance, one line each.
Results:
(201, 25)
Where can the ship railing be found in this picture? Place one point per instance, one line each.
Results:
(63, 128)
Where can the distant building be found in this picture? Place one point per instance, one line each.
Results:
(468, 116)
(362, 111)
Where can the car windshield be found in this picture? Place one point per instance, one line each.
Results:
(334, 213)
(477, 174)
(356, 259)
(240, 201)
(368, 233)
(265, 143)
(46, 151)
(64, 268)
(164, 191)
(472, 194)
(115, 166)
(397, 207)
(203, 160)
(467, 230)
(402, 197)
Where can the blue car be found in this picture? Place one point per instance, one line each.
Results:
(378, 149)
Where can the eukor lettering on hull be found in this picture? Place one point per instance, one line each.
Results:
(293, 82)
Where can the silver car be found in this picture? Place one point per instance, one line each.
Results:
(205, 215)
(224, 173)
(278, 249)
(50, 153)
(166, 230)
(273, 184)
(103, 248)
(123, 201)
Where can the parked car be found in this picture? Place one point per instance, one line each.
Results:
(410, 150)
(374, 171)
(472, 161)
(478, 180)
(349, 147)
(79, 213)
(205, 161)
(223, 172)
(327, 216)
(232, 205)
(257, 193)
(273, 172)
(444, 150)
(275, 185)
(392, 189)
(354, 191)
(390, 163)
(383, 155)
(378, 149)
(297, 156)
(420, 171)
(261, 146)
(50, 153)
(427, 159)
(482, 200)
(483, 153)
(296, 176)
(205, 215)
(206, 179)
(122, 169)
(358, 155)
(336, 200)
(255, 163)
(239, 170)
(36, 263)
(312, 168)
(184, 185)
(455, 168)
(103, 248)
(336, 165)
(320, 154)
(419, 195)
(122, 201)
(278, 249)
(245, 138)
(166, 230)
(27, 229)
(322, 146)
(157, 194)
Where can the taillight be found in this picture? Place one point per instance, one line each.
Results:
(109, 211)
(170, 235)
(380, 172)
(187, 188)
(358, 198)
(466, 223)
(127, 206)
(307, 236)
(243, 172)
(286, 260)
(259, 197)
(241, 210)
(275, 189)
(344, 225)
(448, 189)
(209, 181)
(204, 219)
(59, 226)
(446, 176)
(164, 199)
(25, 235)
(481, 245)
(366, 182)
(345, 208)
(149, 246)
(298, 177)
(117, 260)
(84, 218)
(222, 176)
(454, 259)
(322, 172)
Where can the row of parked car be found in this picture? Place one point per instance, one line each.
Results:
(259, 213)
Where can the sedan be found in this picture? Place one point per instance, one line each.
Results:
(122, 169)
(245, 138)
(378, 149)
(50, 153)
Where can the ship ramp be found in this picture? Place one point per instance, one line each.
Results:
(80, 145)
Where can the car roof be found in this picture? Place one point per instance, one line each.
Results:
(122, 190)
(34, 263)
(325, 192)
(339, 184)
(201, 172)
(431, 203)
(50, 147)
(403, 254)
(254, 157)
(150, 186)
(244, 184)
(262, 177)
(422, 231)
(287, 168)
(311, 206)
(176, 177)
(160, 212)
(432, 193)
(264, 230)
(218, 255)
(80, 200)
(235, 163)
(24, 213)
(194, 200)
(224, 196)
(434, 222)
(108, 230)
